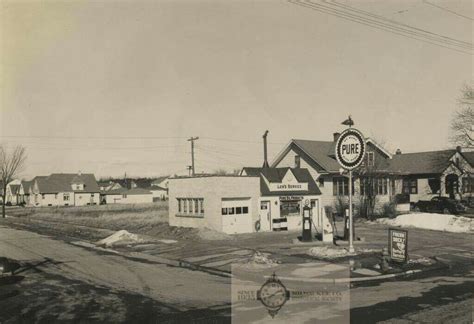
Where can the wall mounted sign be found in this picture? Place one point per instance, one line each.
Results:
(398, 244)
(350, 148)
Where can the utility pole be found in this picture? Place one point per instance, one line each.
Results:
(192, 139)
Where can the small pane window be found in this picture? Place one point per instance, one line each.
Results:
(230, 210)
(238, 210)
(297, 161)
(202, 205)
(224, 211)
(245, 210)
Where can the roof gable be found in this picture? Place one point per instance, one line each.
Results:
(62, 182)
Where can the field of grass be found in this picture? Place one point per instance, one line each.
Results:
(137, 218)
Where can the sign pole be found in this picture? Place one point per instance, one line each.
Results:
(351, 238)
(350, 151)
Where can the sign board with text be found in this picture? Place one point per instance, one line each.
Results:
(350, 148)
(398, 244)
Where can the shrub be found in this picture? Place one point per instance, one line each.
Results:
(389, 209)
(340, 206)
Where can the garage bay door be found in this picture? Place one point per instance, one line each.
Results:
(236, 216)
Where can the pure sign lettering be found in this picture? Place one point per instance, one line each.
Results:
(398, 244)
(350, 148)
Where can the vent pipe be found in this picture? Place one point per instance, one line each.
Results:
(265, 159)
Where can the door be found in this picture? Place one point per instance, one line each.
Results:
(452, 185)
(236, 216)
(265, 216)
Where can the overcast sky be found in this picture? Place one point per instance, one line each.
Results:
(117, 86)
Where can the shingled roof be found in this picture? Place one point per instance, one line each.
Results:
(62, 182)
(469, 157)
(26, 186)
(432, 162)
(123, 191)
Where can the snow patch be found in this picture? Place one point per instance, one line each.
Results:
(437, 222)
(259, 260)
(327, 252)
(121, 237)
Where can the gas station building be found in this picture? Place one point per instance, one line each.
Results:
(259, 199)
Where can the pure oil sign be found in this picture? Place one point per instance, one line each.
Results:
(398, 244)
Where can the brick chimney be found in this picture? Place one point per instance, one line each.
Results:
(459, 149)
(398, 152)
(336, 136)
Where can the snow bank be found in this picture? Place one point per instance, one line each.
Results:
(327, 252)
(437, 222)
(121, 237)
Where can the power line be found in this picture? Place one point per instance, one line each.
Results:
(381, 25)
(446, 9)
(420, 30)
(89, 137)
(238, 141)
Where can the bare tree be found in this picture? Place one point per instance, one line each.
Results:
(12, 164)
(462, 124)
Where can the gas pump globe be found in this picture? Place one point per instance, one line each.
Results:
(307, 216)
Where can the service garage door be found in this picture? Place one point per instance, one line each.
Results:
(236, 215)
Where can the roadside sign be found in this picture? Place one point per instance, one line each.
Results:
(398, 244)
(350, 148)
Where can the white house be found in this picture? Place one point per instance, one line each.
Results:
(128, 196)
(12, 193)
(158, 193)
(64, 189)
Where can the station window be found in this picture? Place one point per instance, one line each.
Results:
(191, 207)
(240, 210)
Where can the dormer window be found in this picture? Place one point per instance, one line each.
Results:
(77, 186)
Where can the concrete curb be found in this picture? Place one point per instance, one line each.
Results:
(152, 258)
(360, 279)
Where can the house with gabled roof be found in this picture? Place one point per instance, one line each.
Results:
(420, 175)
(65, 189)
(319, 158)
(424, 175)
(24, 192)
(12, 192)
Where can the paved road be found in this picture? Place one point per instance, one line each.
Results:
(180, 288)
(444, 296)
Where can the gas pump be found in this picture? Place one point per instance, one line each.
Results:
(307, 215)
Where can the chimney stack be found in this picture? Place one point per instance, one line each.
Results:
(336, 136)
(459, 149)
(398, 152)
(265, 160)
